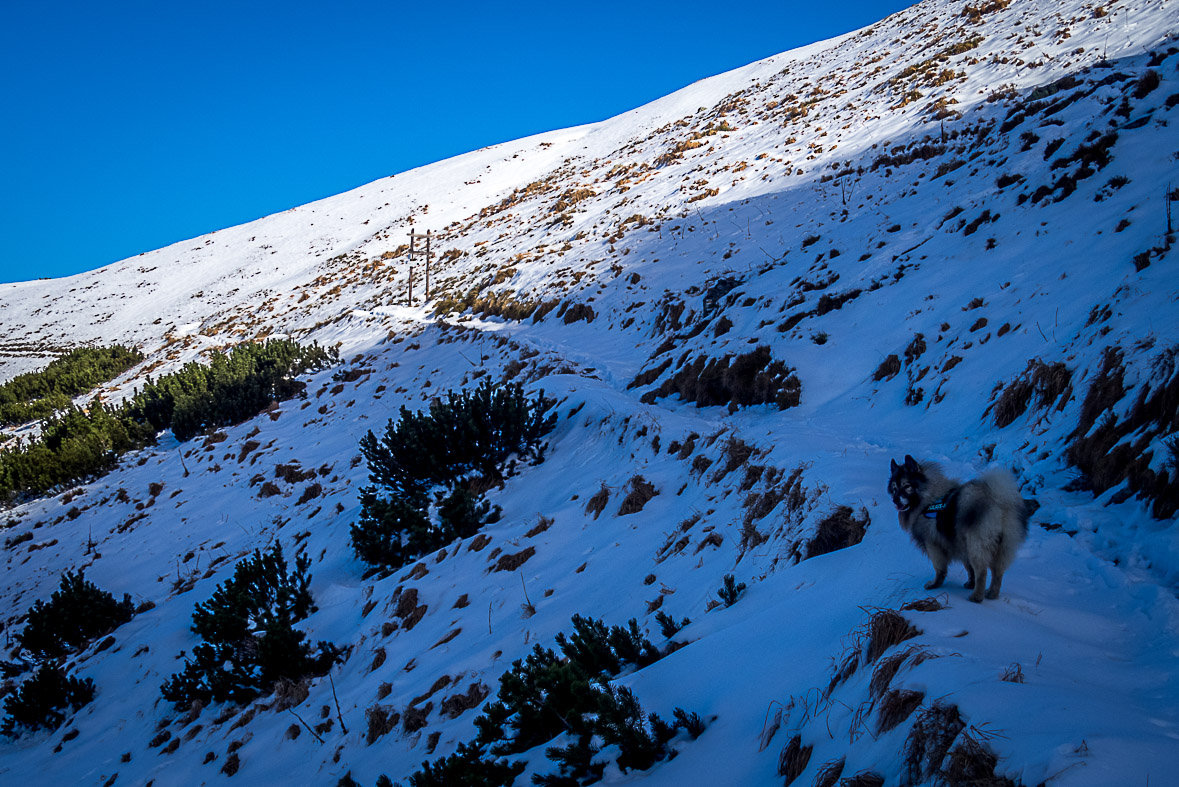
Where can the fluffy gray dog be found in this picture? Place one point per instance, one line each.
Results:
(980, 523)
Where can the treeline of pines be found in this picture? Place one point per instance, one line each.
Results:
(38, 395)
(77, 443)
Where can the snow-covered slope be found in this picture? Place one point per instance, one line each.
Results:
(906, 216)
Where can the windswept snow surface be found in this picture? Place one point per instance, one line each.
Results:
(848, 197)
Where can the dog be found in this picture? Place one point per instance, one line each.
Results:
(980, 523)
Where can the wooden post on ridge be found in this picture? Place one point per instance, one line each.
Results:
(412, 237)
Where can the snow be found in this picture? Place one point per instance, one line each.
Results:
(1088, 610)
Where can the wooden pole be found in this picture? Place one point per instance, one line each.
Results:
(427, 265)
(410, 297)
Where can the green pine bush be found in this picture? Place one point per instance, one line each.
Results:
(461, 438)
(43, 701)
(76, 444)
(730, 591)
(250, 642)
(75, 614)
(469, 767)
(38, 395)
(545, 696)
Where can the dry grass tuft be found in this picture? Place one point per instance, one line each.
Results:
(889, 368)
(972, 764)
(1049, 383)
(514, 561)
(863, 779)
(896, 706)
(640, 492)
(1013, 673)
(457, 704)
(597, 503)
(793, 759)
(415, 718)
(828, 774)
(927, 604)
(838, 530)
(929, 740)
(382, 719)
(887, 628)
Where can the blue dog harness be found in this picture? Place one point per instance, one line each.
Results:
(936, 507)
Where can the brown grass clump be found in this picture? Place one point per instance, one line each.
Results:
(838, 530)
(408, 608)
(927, 604)
(415, 718)
(577, 312)
(232, 763)
(514, 561)
(793, 759)
(597, 504)
(972, 764)
(863, 779)
(736, 454)
(292, 473)
(457, 704)
(1120, 449)
(1013, 673)
(885, 671)
(886, 629)
(1049, 383)
(889, 368)
(640, 492)
(382, 719)
(896, 706)
(828, 774)
(929, 740)
(883, 630)
(288, 693)
(310, 493)
(734, 380)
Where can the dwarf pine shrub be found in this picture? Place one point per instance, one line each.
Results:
(43, 700)
(461, 443)
(250, 642)
(668, 625)
(730, 591)
(547, 695)
(38, 395)
(77, 612)
(79, 443)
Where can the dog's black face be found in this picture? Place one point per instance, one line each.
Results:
(904, 485)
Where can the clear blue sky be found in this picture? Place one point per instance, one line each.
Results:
(126, 126)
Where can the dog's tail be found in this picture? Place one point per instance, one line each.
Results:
(1004, 491)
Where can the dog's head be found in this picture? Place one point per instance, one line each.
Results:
(905, 483)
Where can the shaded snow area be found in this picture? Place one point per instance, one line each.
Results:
(947, 230)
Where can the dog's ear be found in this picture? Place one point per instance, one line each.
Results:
(911, 463)
(895, 466)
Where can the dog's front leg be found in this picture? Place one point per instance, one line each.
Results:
(969, 577)
(940, 562)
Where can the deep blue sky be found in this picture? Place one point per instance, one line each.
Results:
(126, 126)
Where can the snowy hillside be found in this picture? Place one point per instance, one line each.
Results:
(945, 235)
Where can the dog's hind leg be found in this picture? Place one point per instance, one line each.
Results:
(996, 582)
(980, 580)
(969, 584)
(940, 562)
